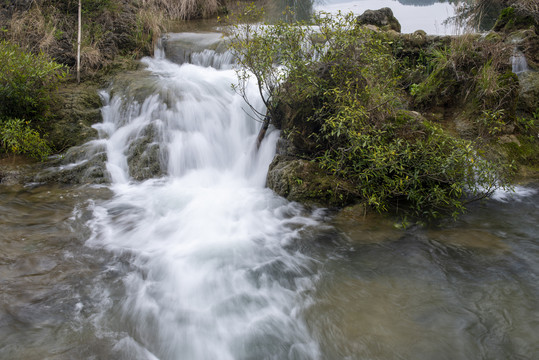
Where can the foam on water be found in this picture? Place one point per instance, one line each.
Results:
(516, 194)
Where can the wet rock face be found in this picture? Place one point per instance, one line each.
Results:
(382, 18)
(85, 164)
(144, 156)
(305, 182)
(529, 92)
(78, 109)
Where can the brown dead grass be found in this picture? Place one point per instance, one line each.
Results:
(183, 9)
(31, 30)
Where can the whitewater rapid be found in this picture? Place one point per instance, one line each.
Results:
(214, 273)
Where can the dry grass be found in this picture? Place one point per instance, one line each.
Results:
(91, 57)
(528, 6)
(182, 9)
(481, 66)
(153, 16)
(31, 30)
(150, 25)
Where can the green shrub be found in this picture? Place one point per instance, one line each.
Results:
(406, 159)
(18, 137)
(27, 83)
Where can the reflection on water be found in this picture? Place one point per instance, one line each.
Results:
(412, 14)
(466, 290)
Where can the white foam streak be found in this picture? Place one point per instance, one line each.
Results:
(516, 194)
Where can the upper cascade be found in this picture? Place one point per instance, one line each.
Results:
(202, 49)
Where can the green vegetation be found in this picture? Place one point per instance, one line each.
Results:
(469, 69)
(337, 97)
(27, 85)
(16, 136)
(27, 82)
(475, 74)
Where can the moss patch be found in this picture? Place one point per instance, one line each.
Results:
(511, 20)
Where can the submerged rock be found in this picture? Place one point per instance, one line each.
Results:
(14, 169)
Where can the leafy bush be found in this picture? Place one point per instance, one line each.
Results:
(27, 82)
(406, 158)
(336, 97)
(18, 137)
(27, 85)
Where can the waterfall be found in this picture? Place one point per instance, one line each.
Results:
(213, 270)
(518, 62)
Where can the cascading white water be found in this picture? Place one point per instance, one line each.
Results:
(214, 274)
(519, 64)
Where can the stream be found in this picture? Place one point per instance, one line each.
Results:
(186, 254)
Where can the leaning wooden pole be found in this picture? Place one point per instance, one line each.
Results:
(79, 36)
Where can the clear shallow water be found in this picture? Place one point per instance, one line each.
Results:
(360, 290)
(205, 263)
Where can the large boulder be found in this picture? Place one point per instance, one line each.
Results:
(305, 182)
(382, 18)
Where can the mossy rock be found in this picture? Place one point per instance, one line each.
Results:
(305, 182)
(85, 164)
(529, 92)
(524, 152)
(144, 156)
(510, 20)
(298, 130)
(78, 109)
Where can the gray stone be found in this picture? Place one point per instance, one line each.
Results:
(529, 92)
(383, 18)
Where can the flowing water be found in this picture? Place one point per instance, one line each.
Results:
(519, 64)
(186, 255)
